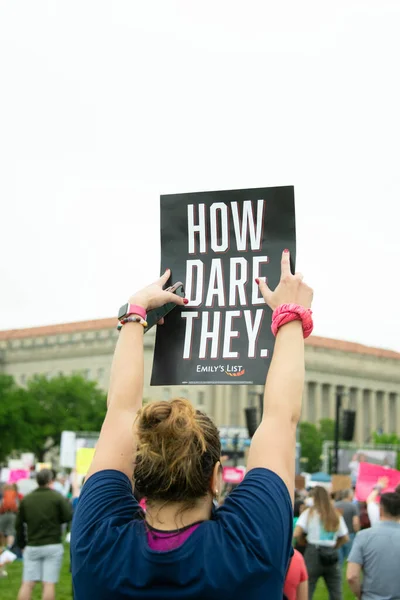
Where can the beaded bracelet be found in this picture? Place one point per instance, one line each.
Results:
(131, 320)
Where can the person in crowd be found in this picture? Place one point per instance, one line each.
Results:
(373, 499)
(40, 518)
(354, 466)
(351, 515)
(299, 506)
(181, 547)
(60, 483)
(326, 531)
(296, 583)
(376, 553)
(365, 523)
(8, 513)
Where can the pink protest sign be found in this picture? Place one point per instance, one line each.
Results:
(232, 474)
(368, 476)
(16, 474)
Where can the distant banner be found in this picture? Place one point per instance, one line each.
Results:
(16, 474)
(233, 474)
(84, 457)
(341, 483)
(43, 465)
(68, 449)
(217, 244)
(349, 460)
(368, 476)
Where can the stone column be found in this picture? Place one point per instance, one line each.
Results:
(374, 416)
(397, 399)
(359, 416)
(385, 418)
(217, 402)
(318, 402)
(332, 401)
(242, 405)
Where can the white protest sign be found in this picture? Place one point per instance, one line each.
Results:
(68, 449)
(15, 464)
(28, 460)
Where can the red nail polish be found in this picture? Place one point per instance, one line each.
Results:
(185, 301)
(286, 250)
(257, 281)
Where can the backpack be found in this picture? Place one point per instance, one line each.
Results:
(364, 518)
(10, 502)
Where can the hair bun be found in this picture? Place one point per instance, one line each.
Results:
(177, 450)
(155, 414)
(176, 414)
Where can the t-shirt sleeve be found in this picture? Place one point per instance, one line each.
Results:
(259, 514)
(342, 528)
(373, 513)
(356, 553)
(303, 520)
(303, 569)
(106, 496)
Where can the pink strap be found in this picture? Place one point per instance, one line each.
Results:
(134, 309)
(285, 313)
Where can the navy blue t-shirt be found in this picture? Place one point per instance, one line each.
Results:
(242, 552)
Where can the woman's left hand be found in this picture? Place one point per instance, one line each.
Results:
(154, 295)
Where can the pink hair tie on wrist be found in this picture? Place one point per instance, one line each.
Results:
(285, 313)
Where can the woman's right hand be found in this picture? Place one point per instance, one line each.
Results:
(290, 290)
(154, 295)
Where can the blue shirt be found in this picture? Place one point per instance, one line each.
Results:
(377, 550)
(242, 552)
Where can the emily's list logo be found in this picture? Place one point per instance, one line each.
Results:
(231, 370)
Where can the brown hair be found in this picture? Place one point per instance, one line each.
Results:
(178, 448)
(323, 506)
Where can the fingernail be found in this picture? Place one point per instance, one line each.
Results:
(257, 281)
(167, 269)
(286, 250)
(185, 301)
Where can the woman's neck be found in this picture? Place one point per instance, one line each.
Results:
(173, 515)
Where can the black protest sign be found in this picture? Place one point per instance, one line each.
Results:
(217, 244)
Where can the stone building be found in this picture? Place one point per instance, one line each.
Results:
(369, 378)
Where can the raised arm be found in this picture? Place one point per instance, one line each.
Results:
(274, 443)
(115, 448)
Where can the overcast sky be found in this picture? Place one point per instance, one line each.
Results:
(106, 105)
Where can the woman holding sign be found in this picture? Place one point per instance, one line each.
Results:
(182, 547)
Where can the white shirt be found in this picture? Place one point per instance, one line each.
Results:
(316, 534)
(374, 515)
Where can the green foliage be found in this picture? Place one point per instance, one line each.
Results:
(327, 429)
(385, 438)
(12, 425)
(33, 418)
(389, 439)
(311, 447)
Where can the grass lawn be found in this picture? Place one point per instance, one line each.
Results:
(10, 585)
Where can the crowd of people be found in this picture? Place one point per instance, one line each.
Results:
(150, 523)
(325, 537)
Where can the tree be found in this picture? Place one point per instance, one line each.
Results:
(327, 429)
(62, 403)
(12, 425)
(390, 439)
(311, 446)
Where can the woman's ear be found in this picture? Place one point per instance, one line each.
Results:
(216, 480)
